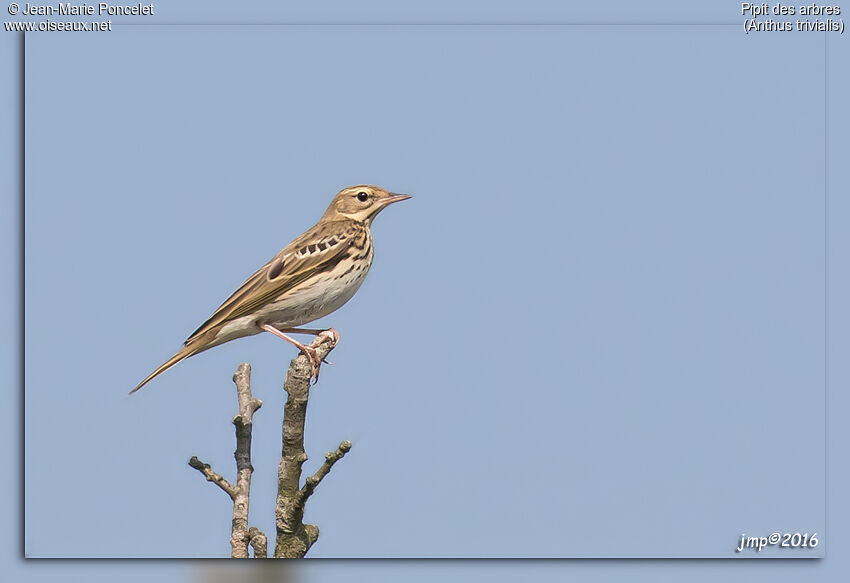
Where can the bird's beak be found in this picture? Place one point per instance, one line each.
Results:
(393, 197)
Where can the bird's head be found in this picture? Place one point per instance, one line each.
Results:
(360, 203)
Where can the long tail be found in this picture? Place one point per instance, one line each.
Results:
(182, 354)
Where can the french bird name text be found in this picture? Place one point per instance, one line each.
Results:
(761, 17)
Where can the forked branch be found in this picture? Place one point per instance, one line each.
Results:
(241, 536)
(294, 538)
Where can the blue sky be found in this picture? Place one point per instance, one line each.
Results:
(600, 320)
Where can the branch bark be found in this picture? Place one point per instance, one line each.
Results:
(213, 476)
(294, 538)
(241, 536)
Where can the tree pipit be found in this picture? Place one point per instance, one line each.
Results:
(310, 278)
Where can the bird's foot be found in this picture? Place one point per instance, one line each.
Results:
(331, 334)
(315, 362)
(308, 351)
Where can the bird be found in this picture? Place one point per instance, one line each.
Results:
(308, 279)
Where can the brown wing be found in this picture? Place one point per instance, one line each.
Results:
(319, 249)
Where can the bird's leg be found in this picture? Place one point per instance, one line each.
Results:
(330, 332)
(307, 351)
(313, 331)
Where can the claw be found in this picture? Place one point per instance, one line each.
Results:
(315, 363)
(307, 351)
(330, 333)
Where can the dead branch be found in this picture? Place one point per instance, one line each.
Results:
(258, 542)
(241, 536)
(213, 476)
(294, 538)
(330, 459)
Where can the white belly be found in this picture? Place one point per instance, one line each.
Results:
(299, 306)
(307, 303)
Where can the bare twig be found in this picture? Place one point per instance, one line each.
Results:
(243, 422)
(330, 459)
(241, 536)
(258, 542)
(212, 476)
(294, 538)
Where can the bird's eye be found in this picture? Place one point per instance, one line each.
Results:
(362, 196)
